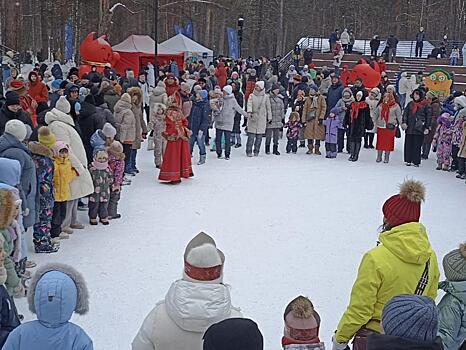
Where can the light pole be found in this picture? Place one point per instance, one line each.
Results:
(240, 34)
(156, 38)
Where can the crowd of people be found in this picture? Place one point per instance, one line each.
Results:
(69, 144)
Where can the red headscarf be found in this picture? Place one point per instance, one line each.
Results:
(386, 107)
(355, 107)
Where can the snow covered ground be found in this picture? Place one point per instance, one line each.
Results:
(288, 225)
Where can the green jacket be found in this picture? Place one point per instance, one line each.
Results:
(452, 314)
(393, 268)
(13, 283)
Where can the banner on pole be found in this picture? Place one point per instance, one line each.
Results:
(69, 39)
(233, 43)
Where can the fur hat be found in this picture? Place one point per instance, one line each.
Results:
(7, 200)
(460, 101)
(301, 321)
(63, 105)
(46, 276)
(260, 84)
(17, 129)
(203, 262)
(228, 89)
(46, 137)
(454, 264)
(115, 147)
(109, 131)
(406, 206)
(59, 145)
(414, 317)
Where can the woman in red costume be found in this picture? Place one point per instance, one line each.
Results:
(176, 162)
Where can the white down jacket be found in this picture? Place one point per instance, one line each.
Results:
(180, 321)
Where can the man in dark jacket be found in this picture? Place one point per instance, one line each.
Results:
(334, 93)
(374, 44)
(307, 54)
(88, 123)
(392, 43)
(420, 37)
(302, 85)
(11, 109)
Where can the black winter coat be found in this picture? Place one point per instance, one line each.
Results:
(9, 318)
(374, 44)
(199, 117)
(88, 123)
(307, 56)
(389, 342)
(357, 128)
(419, 121)
(6, 115)
(334, 95)
(237, 121)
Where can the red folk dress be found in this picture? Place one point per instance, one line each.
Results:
(176, 162)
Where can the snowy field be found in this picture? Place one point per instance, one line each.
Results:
(288, 225)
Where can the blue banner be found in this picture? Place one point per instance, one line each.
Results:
(178, 29)
(189, 29)
(233, 43)
(69, 40)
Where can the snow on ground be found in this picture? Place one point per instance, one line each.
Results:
(289, 225)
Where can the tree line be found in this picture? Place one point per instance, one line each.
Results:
(271, 27)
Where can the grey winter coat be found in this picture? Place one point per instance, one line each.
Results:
(278, 112)
(452, 314)
(125, 121)
(11, 148)
(259, 112)
(394, 116)
(226, 118)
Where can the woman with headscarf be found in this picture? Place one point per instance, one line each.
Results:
(176, 162)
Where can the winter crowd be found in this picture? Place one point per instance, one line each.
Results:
(69, 144)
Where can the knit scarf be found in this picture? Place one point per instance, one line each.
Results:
(386, 106)
(311, 344)
(355, 107)
(417, 105)
(100, 165)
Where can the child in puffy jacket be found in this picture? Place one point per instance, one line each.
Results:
(56, 292)
(294, 127)
(452, 307)
(116, 163)
(332, 124)
(104, 137)
(157, 126)
(64, 173)
(103, 179)
(442, 142)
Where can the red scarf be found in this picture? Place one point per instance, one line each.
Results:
(386, 108)
(355, 107)
(288, 341)
(417, 105)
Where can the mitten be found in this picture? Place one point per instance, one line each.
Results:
(338, 346)
(404, 126)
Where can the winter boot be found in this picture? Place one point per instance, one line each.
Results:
(302, 144)
(275, 150)
(366, 140)
(379, 157)
(317, 152)
(310, 149)
(267, 149)
(356, 150)
(351, 146)
(386, 158)
(201, 159)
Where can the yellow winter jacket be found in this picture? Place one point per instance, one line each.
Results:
(63, 174)
(393, 268)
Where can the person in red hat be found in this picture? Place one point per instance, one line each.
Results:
(176, 162)
(302, 325)
(402, 263)
(27, 103)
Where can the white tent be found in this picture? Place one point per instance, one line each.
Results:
(142, 44)
(181, 43)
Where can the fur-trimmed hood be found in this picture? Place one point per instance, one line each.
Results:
(56, 291)
(135, 91)
(39, 149)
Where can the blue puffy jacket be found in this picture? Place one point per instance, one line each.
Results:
(56, 291)
(199, 118)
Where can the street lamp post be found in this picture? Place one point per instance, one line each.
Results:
(240, 33)
(156, 38)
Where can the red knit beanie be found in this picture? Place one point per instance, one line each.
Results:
(406, 206)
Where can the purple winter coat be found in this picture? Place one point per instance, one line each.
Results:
(331, 129)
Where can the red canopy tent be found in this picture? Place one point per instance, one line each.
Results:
(138, 50)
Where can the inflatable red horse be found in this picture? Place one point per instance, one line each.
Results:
(97, 51)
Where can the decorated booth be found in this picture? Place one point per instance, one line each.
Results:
(137, 51)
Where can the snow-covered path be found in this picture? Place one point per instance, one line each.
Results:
(288, 225)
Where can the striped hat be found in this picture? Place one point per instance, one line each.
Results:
(454, 264)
